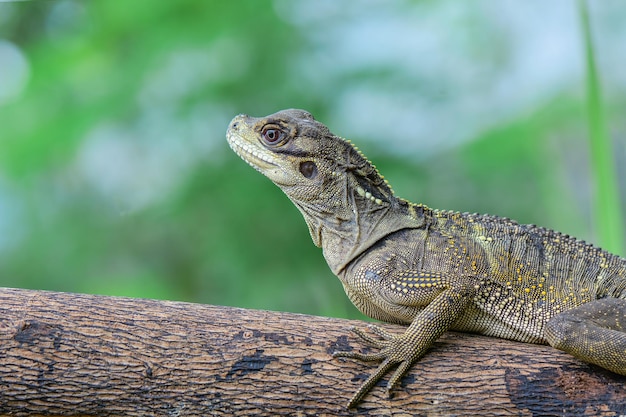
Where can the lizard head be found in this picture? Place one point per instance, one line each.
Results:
(325, 176)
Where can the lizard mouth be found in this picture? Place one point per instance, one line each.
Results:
(255, 157)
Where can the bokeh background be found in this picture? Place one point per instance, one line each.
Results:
(115, 176)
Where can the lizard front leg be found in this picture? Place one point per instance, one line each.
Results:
(403, 350)
(594, 332)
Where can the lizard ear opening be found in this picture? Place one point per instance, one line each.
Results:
(308, 169)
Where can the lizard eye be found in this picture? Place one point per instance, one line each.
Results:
(272, 136)
(308, 169)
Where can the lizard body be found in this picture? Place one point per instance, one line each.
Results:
(436, 270)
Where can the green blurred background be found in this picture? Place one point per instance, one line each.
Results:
(115, 176)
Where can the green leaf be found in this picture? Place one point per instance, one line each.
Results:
(606, 204)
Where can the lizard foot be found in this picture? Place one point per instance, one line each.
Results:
(395, 350)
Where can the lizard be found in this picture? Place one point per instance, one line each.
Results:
(435, 270)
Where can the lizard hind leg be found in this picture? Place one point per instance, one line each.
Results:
(402, 350)
(594, 332)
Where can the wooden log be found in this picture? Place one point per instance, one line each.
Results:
(75, 354)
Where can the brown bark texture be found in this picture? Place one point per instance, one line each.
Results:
(78, 355)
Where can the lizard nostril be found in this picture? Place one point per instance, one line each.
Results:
(236, 122)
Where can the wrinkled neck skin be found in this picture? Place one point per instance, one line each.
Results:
(346, 230)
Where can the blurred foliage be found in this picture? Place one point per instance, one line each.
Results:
(115, 177)
(610, 224)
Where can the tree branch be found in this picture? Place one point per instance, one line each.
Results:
(75, 354)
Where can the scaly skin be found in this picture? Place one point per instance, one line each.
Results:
(434, 270)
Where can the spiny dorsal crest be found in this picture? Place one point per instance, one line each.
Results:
(370, 183)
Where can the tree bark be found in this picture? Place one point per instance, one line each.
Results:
(75, 354)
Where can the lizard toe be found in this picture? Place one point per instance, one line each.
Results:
(380, 332)
(378, 343)
(400, 371)
(364, 357)
(383, 368)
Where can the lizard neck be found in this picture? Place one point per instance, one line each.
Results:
(349, 230)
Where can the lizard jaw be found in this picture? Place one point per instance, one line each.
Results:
(254, 157)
